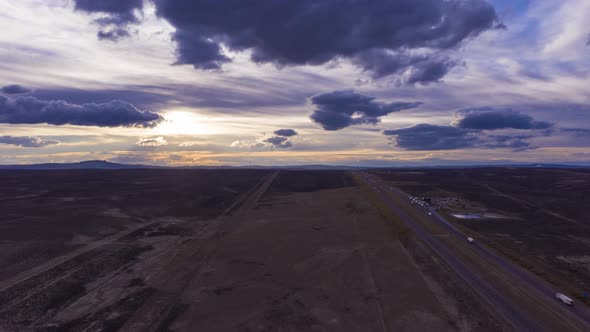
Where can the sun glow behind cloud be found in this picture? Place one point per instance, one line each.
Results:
(187, 123)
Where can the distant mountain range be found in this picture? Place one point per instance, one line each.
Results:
(89, 164)
(102, 164)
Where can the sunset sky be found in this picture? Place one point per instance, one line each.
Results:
(285, 82)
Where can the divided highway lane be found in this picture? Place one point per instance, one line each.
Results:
(570, 318)
(577, 312)
(486, 291)
(518, 272)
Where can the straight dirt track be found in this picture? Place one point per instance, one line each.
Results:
(185, 261)
(101, 285)
(304, 259)
(22, 277)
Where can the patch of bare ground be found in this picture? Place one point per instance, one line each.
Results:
(48, 214)
(294, 255)
(323, 260)
(98, 290)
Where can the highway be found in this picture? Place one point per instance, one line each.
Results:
(524, 300)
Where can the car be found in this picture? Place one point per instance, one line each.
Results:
(564, 299)
(429, 213)
(470, 240)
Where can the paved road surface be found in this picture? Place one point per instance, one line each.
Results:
(570, 318)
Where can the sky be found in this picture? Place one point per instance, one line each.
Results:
(284, 82)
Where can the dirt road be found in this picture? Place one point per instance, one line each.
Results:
(138, 272)
(311, 261)
(11, 282)
(185, 261)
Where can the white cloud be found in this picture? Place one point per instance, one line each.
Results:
(152, 141)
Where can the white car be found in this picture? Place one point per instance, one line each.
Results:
(429, 213)
(470, 240)
(564, 299)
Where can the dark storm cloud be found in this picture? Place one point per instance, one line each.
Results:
(14, 89)
(432, 137)
(578, 132)
(116, 113)
(201, 52)
(414, 69)
(119, 15)
(279, 142)
(309, 32)
(108, 6)
(487, 118)
(285, 132)
(340, 109)
(474, 128)
(430, 70)
(114, 33)
(276, 140)
(514, 142)
(26, 141)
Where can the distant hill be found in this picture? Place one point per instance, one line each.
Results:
(509, 166)
(102, 164)
(89, 164)
(308, 167)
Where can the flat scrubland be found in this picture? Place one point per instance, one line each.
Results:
(64, 234)
(48, 213)
(545, 224)
(217, 250)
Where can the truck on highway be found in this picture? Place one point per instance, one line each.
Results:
(564, 299)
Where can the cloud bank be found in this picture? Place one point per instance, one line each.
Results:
(487, 118)
(116, 113)
(379, 37)
(340, 109)
(473, 128)
(14, 89)
(27, 141)
(279, 142)
(281, 139)
(285, 132)
(412, 69)
(118, 16)
(432, 137)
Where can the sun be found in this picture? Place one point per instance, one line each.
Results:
(184, 123)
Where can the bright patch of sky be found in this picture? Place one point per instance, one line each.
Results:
(538, 65)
